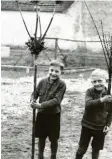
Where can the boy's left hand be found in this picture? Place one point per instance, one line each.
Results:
(107, 98)
(106, 129)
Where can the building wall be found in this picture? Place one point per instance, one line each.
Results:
(74, 24)
(101, 11)
(13, 30)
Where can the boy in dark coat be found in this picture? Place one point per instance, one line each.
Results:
(96, 119)
(50, 92)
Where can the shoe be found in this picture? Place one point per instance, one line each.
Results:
(40, 157)
(53, 156)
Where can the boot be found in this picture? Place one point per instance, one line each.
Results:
(53, 156)
(95, 154)
(40, 157)
(41, 146)
(80, 153)
(78, 156)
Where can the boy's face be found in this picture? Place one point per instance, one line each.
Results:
(54, 72)
(98, 83)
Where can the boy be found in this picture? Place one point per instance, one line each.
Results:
(50, 92)
(96, 119)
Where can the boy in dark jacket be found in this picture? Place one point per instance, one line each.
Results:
(96, 119)
(50, 92)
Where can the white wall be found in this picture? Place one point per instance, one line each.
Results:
(67, 25)
(13, 30)
(14, 33)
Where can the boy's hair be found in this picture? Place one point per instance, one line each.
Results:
(57, 63)
(101, 74)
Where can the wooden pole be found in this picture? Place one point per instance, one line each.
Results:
(35, 84)
(56, 47)
(110, 69)
(34, 110)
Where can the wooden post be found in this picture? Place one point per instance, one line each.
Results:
(34, 111)
(56, 48)
(110, 69)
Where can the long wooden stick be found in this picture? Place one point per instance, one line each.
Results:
(33, 135)
(34, 111)
(110, 69)
(35, 84)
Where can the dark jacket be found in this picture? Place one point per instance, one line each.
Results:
(95, 115)
(50, 95)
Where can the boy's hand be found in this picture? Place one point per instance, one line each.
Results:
(35, 105)
(107, 98)
(106, 129)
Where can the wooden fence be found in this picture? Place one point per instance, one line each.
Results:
(80, 56)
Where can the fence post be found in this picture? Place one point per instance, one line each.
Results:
(56, 47)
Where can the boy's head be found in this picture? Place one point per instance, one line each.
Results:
(98, 79)
(55, 69)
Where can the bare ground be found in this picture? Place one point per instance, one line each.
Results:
(17, 120)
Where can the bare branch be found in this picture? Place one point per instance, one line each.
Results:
(104, 40)
(98, 34)
(23, 19)
(49, 25)
(40, 27)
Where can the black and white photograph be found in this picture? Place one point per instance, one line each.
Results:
(56, 79)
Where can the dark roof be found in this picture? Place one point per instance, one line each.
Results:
(45, 6)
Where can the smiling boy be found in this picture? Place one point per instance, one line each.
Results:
(96, 119)
(50, 92)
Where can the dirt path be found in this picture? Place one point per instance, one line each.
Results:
(17, 121)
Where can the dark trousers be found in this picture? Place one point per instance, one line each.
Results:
(97, 142)
(47, 125)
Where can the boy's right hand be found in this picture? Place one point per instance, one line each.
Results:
(35, 105)
(107, 98)
(32, 105)
(106, 129)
